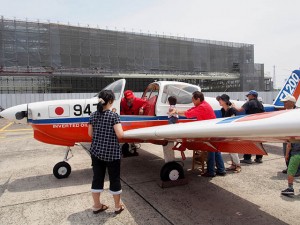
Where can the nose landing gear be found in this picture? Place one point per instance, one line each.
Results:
(63, 169)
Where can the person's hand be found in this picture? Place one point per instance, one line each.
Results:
(141, 111)
(287, 157)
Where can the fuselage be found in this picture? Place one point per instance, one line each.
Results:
(65, 122)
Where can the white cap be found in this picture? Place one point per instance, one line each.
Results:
(289, 98)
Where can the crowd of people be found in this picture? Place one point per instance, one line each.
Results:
(106, 130)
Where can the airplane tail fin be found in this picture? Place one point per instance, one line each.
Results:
(291, 87)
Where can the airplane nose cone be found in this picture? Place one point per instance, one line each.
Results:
(16, 113)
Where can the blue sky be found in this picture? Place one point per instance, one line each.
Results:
(273, 26)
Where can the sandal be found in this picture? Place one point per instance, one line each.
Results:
(119, 210)
(237, 169)
(98, 210)
(231, 168)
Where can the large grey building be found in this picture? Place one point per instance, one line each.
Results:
(46, 57)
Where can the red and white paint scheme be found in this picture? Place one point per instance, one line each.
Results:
(65, 122)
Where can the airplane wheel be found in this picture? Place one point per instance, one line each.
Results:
(62, 170)
(171, 171)
(129, 149)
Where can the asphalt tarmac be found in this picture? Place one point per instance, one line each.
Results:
(30, 194)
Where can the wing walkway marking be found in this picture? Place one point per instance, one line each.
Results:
(16, 130)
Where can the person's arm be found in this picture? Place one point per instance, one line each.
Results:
(181, 113)
(144, 106)
(172, 112)
(191, 113)
(90, 130)
(288, 149)
(90, 126)
(242, 109)
(122, 108)
(119, 130)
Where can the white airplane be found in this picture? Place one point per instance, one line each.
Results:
(65, 122)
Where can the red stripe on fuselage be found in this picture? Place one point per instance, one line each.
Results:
(78, 132)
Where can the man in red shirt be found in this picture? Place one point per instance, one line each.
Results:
(203, 111)
(131, 105)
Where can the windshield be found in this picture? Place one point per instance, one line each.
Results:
(182, 92)
(116, 88)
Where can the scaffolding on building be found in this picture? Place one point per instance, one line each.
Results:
(32, 48)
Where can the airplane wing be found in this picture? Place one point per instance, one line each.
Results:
(241, 134)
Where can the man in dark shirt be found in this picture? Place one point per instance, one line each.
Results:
(252, 106)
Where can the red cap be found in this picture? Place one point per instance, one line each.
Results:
(128, 94)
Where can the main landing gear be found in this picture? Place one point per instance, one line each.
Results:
(130, 149)
(63, 169)
(171, 171)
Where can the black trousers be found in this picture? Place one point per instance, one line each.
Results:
(99, 170)
(248, 156)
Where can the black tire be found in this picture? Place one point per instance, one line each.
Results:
(129, 149)
(62, 170)
(171, 171)
(125, 149)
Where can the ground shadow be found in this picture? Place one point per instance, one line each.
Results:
(198, 202)
(276, 150)
(48, 181)
(131, 169)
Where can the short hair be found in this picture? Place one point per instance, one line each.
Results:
(172, 100)
(198, 94)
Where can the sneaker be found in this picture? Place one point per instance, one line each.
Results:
(284, 171)
(288, 191)
(258, 160)
(248, 161)
(207, 175)
(221, 174)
